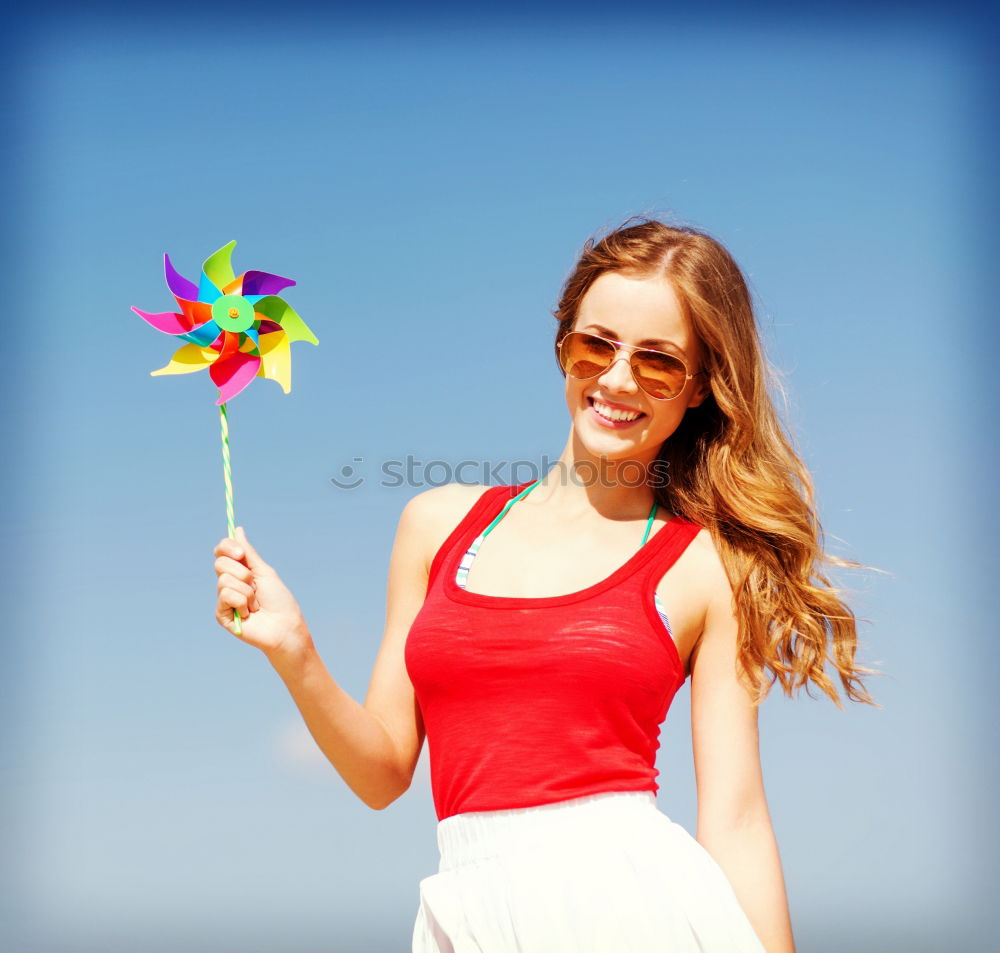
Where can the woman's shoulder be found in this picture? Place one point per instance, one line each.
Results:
(436, 512)
(706, 555)
(447, 501)
(703, 569)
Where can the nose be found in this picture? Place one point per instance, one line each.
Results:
(619, 376)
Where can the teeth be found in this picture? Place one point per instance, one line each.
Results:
(605, 411)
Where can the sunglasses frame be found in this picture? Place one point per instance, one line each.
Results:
(622, 346)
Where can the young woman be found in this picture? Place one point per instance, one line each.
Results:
(675, 537)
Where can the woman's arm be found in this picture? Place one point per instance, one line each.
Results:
(375, 746)
(733, 821)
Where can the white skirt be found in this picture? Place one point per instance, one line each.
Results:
(601, 873)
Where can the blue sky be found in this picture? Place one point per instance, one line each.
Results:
(428, 184)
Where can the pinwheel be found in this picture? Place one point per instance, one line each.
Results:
(238, 328)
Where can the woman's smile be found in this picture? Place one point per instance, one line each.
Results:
(612, 415)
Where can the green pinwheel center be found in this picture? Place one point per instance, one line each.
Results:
(232, 313)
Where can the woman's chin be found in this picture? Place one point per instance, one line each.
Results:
(611, 446)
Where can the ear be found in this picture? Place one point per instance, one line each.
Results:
(699, 391)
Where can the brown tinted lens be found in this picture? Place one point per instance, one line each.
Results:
(584, 356)
(659, 375)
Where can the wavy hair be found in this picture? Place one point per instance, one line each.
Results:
(733, 469)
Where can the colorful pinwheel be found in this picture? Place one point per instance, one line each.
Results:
(237, 327)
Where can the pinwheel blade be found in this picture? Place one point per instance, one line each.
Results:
(262, 283)
(167, 321)
(239, 342)
(179, 286)
(276, 359)
(207, 334)
(232, 374)
(219, 266)
(187, 360)
(208, 292)
(230, 345)
(275, 309)
(197, 312)
(248, 345)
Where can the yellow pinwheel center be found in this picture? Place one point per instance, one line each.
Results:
(233, 313)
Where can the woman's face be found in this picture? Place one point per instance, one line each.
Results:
(639, 311)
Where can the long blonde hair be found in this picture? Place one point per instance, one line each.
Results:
(732, 468)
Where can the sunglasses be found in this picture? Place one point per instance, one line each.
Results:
(584, 355)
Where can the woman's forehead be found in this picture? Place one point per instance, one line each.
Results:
(641, 310)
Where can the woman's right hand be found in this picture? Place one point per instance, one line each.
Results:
(270, 618)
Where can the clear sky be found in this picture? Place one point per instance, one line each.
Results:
(428, 182)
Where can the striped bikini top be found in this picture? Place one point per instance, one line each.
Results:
(462, 575)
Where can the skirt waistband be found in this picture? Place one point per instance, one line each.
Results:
(477, 835)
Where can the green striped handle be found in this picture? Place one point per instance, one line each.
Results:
(228, 475)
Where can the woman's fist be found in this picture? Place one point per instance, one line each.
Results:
(270, 617)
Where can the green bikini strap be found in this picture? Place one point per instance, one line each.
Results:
(509, 504)
(649, 524)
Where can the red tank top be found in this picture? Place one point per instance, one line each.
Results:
(528, 701)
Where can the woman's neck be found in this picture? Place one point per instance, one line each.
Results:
(580, 483)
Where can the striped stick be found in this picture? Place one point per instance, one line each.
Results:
(228, 476)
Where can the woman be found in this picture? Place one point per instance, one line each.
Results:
(675, 537)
